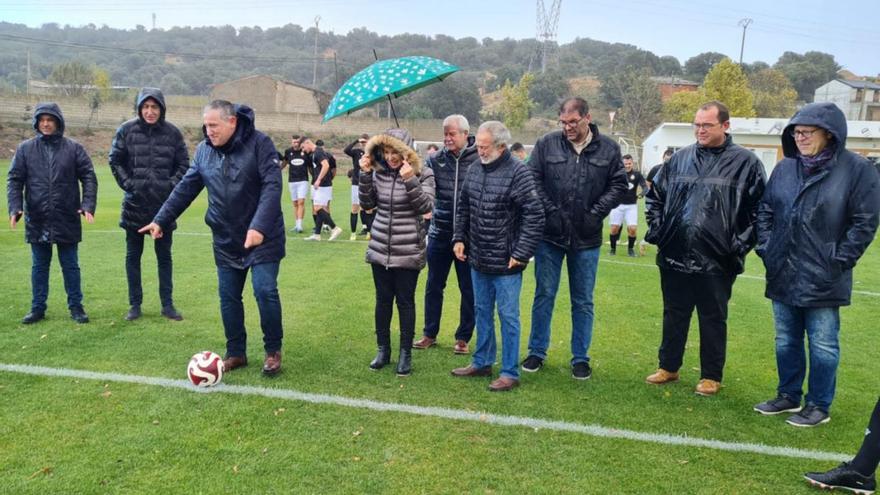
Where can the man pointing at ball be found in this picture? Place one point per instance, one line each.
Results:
(239, 167)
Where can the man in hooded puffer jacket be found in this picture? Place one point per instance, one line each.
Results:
(42, 186)
(817, 217)
(148, 158)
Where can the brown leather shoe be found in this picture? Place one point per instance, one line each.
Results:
(662, 376)
(461, 347)
(424, 343)
(469, 371)
(232, 362)
(707, 387)
(503, 384)
(272, 364)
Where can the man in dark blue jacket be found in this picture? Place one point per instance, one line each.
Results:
(43, 185)
(580, 179)
(148, 158)
(239, 166)
(450, 166)
(497, 229)
(701, 212)
(818, 215)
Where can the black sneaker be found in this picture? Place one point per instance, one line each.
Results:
(613, 251)
(532, 364)
(171, 313)
(581, 371)
(79, 315)
(134, 312)
(845, 478)
(808, 417)
(781, 404)
(631, 253)
(33, 317)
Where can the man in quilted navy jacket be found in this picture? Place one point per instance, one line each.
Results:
(148, 158)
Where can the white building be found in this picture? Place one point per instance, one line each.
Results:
(859, 100)
(761, 136)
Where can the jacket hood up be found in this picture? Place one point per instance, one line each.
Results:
(377, 143)
(825, 115)
(49, 109)
(154, 93)
(244, 128)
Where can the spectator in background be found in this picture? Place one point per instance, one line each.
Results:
(322, 189)
(148, 158)
(519, 151)
(628, 209)
(656, 168)
(432, 149)
(355, 150)
(394, 183)
(44, 185)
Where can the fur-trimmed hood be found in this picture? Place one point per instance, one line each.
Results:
(377, 143)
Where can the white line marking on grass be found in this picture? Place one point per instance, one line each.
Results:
(436, 412)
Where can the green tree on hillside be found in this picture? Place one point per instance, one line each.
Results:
(808, 71)
(774, 94)
(681, 106)
(727, 83)
(515, 102)
(696, 67)
(73, 78)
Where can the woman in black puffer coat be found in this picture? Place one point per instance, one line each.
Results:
(393, 181)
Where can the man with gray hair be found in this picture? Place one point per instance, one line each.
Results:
(497, 229)
(240, 168)
(580, 178)
(450, 165)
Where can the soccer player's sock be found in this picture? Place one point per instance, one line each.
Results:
(630, 242)
(866, 460)
(319, 224)
(299, 223)
(326, 219)
(364, 216)
(353, 222)
(370, 217)
(614, 238)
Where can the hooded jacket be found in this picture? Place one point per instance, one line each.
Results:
(147, 160)
(243, 179)
(813, 228)
(42, 182)
(500, 215)
(702, 206)
(449, 174)
(577, 190)
(397, 238)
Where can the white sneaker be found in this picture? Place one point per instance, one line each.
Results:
(353, 237)
(335, 233)
(313, 237)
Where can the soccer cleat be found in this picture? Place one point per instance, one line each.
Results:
(335, 233)
(313, 237)
(780, 404)
(613, 251)
(353, 237)
(631, 253)
(845, 478)
(532, 364)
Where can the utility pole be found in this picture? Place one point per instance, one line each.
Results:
(744, 23)
(154, 21)
(28, 88)
(315, 67)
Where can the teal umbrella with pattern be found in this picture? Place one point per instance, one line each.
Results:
(384, 79)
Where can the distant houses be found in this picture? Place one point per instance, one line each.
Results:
(858, 99)
(267, 94)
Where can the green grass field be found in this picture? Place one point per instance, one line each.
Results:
(70, 435)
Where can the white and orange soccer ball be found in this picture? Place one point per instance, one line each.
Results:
(205, 369)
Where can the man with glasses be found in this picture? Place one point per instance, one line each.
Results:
(701, 214)
(580, 178)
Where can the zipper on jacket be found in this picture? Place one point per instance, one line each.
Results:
(394, 176)
(455, 194)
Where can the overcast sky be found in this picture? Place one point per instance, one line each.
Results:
(847, 29)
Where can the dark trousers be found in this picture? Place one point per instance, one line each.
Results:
(41, 257)
(264, 279)
(440, 260)
(682, 292)
(134, 249)
(395, 284)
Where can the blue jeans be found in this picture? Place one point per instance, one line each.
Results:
(503, 289)
(582, 265)
(41, 256)
(264, 279)
(440, 260)
(822, 326)
(134, 249)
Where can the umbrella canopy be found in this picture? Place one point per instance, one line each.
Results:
(385, 78)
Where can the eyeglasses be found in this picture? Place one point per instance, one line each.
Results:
(806, 134)
(572, 123)
(705, 127)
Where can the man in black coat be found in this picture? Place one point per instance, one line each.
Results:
(450, 166)
(43, 186)
(497, 229)
(817, 218)
(701, 213)
(240, 168)
(580, 178)
(148, 158)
